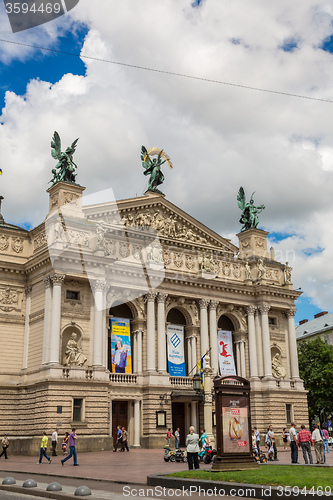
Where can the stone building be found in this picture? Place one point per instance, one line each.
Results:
(146, 260)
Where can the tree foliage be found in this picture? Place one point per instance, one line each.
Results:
(315, 360)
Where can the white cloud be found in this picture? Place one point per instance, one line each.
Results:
(219, 137)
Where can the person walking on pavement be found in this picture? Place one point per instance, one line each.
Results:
(125, 440)
(325, 438)
(270, 440)
(305, 442)
(5, 444)
(177, 437)
(54, 439)
(168, 437)
(43, 448)
(72, 450)
(257, 436)
(119, 440)
(192, 448)
(293, 443)
(317, 437)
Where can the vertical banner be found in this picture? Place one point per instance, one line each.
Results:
(176, 359)
(226, 353)
(121, 354)
(235, 424)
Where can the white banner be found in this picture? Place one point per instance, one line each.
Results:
(176, 359)
(226, 353)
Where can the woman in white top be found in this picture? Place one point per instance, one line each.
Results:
(192, 447)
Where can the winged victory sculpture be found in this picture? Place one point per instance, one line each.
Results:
(250, 213)
(65, 168)
(153, 166)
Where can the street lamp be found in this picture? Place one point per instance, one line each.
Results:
(196, 380)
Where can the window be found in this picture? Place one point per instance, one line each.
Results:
(272, 321)
(77, 410)
(289, 410)
(72, 295)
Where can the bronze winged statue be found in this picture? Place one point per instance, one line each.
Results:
(250, 213)
(153, 166)
(65, 168)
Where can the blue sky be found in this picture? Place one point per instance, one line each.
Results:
(214, 132)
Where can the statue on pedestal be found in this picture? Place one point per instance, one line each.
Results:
(65, 168)
(287, 270)
(74, 354)
(250, 213)
(153, 167)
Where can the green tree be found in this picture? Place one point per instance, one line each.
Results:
(315, 360)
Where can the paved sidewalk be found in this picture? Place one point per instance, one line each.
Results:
(127, 467)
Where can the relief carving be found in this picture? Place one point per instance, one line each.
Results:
(9, 299)
(40, 241)
(189, 262)
(17, 245)
(4, 242)
(71, 197)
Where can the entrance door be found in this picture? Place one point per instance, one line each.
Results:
(178, 420)
(119, 417)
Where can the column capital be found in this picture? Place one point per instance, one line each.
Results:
(264, 309)
(251, 310)
(203, 303)
(99, 286)
(161, 297)
(137, 332)
(290, 312)
(47, 281)
(58, 279)
(151, 296)
(213, 305)
(28, 289)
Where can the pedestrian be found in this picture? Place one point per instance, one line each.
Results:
(43, 448)
(257, 436)
(54, 439)
(192, 448)
(204, 439)
(254, 443)
(125, 440)
(285, 435)
(305, 442)
(325, 438)
(293, 443)
(72, 451)
(177, 437)
(5, 444)
(168, 437)
(65, 444)
(270, 441)
(317, 438)
(119, 439)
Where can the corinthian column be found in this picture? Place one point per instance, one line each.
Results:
(203, 303)
(47, 314)
(26, 327)
(161, 341)
(57, 280)
(252, 342)
(294, 371)
(266, 343)
(213, 335)
(259, 343)
(151, 363)
(99, 289)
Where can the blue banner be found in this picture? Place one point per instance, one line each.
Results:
(176, 359)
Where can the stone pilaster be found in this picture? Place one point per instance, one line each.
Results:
(294, 370)
(161, 340)
(54, 354)
(151, 362)
(213, 335)
(266, 343)
(252, 342)
(203, 304)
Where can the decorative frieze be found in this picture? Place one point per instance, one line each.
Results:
(10, 299)
(17, 245)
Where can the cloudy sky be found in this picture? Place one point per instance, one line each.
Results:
(218, 136)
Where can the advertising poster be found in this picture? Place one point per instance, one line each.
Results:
(226, 353)
(176, 359)
(121, 353)
(235, 424)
